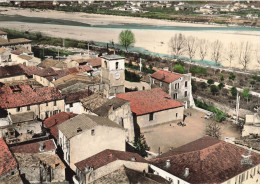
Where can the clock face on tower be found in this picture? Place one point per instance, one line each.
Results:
(117, 75)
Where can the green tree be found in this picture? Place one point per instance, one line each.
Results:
(246, 94)
(141, 146)
(252, 83)
(203, 85)
(221, 77)
(213, 89)
(179, 68)
(221, 85)
(232, 76)
(233, 91)
(126, 38)
(81, 45)
(210, 81)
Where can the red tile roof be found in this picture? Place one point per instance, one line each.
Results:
(209, 161)
(94, 62)
(17, 52)
(52, 122)
(7, 160)
(84, 68)
(22, 95)
(75, 97)
(48, 145)
(147, 101)
(166, 76)
(3, 33)
(107, 156)
(13, 70)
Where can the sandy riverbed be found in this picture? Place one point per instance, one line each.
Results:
(152, 40)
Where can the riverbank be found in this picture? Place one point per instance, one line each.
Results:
(154, 40)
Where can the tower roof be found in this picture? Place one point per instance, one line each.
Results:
(112, 57)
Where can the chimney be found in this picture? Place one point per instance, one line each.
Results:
(167, 163)
(133, 159)
(186, 172)
(41, 148)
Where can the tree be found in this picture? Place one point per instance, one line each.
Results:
(213, 89)
(203, 85)
(191, 46)
(213, 129)
(203, 49)
(245, 54)
(221, 77)
(216, 51)
(246, 94)
(179, 68)
(231, 53)
(177, 45)
(141, 146)
(126, 38)
(210, 81)
(233, 91)
(252, 83)
(232, 76)
(193, 86)
(221, 85)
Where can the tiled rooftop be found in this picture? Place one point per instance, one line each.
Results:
(209, 161)
(15, 41)
(52, 122)
(75, 97)
(166, 76)
(23, 95)
(48, 145)
(148, 101)
(7, 161)
(94, 62)
(107, 156)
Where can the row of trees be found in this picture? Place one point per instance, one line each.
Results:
(181, 45)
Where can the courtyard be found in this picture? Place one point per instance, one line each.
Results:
(171, 135)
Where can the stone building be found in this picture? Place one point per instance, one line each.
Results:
(119, 111)
(178, 86)
(86, 135)
(105, 162)
(41, 168)
(72, 101)
(113, 74)
(44, 102)
(208, 160)
(8, 166)
(5, 56)
(152, 107)
(3, 35)
(13, 43)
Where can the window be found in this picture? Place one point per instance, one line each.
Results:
(122, 122)
(143, 88)
(71, 105)
(105, 64)
(151, 116)
(175, 96)
(92, 132)
(55, 103)
(28, 107)
(47, 104)
(186, 83)
(176, 115)
(18, 109)
(117, 65)
(185, 94)
(177, 86)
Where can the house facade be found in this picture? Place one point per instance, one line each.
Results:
(118, 111)
(44, 102)
(152, 107)
(178, 86)
(252, 125)
(86, 135)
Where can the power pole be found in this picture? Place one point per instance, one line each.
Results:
(237, 107)
(88, 49)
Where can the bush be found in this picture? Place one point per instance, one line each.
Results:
(252, 83)
(232, 76)
(198, 70)
(233, 91)
(221, 85)
(246, 94)
(213, 89)
(256, 78)
(221, 77)
(210, 81)
(203, 85)
(132, 77)
(179, 68)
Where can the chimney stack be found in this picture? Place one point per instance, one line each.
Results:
(186, 172)
(168, 163)
(133, 159)
(41, 146)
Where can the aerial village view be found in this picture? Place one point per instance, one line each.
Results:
(132, 92)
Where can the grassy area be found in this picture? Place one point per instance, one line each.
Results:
(40, 52)
(220, 116)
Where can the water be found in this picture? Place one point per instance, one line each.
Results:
(49, 21)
